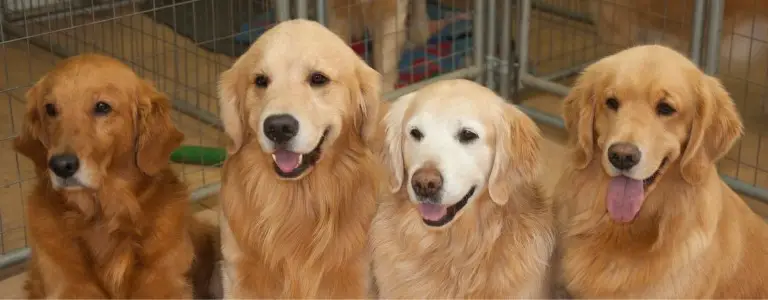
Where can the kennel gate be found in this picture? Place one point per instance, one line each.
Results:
(183, 46)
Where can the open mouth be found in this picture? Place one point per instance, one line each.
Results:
(625, 195)
(437, 215)
(650, 180)
(290, 164)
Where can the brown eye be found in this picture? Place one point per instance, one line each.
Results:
(102, 108)
(612, 103)
(261, 81)
(416, 134)
(664, 109)
(318, 79)
(466, 136)
(50, 110)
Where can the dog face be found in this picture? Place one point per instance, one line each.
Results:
(295, 92)
(90, 115)
(451, 141)
(643, 109)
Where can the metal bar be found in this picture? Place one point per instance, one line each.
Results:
(505, 55)
(491, 59)
(2, 22)
(542, 84)
(14, 257)
(698, 31)
(713, 35)
(555, 76)
(746, 189)
(301, 9)
(204, 192)
(201, 115)
(469, 72)
(283, 10)
(478, 35)
(321, 16)
(561, 12)
(70, 12)
(542, 117)
(523, 37)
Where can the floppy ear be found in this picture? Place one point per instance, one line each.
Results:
(579, 117)
(370, 100)
(516, 160)
(157, 135)
(393, 150)
(233, 86)
(31, 141)
(716, 126)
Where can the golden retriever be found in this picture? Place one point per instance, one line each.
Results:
(643, 211)
(107, 218)
(299, 188)
(471, 220)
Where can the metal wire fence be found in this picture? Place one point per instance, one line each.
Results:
(511, 46)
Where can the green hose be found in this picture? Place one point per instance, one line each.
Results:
(198, 155)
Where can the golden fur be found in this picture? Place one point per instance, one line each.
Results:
(127, 231)
(693, 236)
(306, 237)
(499, 245)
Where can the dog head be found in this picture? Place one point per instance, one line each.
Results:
(452, 141)
(643, 110)
(296, 92)
(90, 115)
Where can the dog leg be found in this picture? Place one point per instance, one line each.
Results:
(418, 23)
(339, 19)
(388, 40)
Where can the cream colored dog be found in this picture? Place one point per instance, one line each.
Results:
(467, 218)
(643, 211)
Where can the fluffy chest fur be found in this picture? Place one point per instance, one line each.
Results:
(303, 238)
(503, 255)
(106, 240)
(658, 255)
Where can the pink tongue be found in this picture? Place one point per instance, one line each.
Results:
(287, 161)
(625, 196)
(432, 212)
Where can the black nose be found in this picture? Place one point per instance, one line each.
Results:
(64, 165)
(623, 156)
(427, 182)
(281, 128)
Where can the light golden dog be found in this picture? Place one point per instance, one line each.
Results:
(467, 218)
(299, 189)
(643, 211)
(108, 217)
